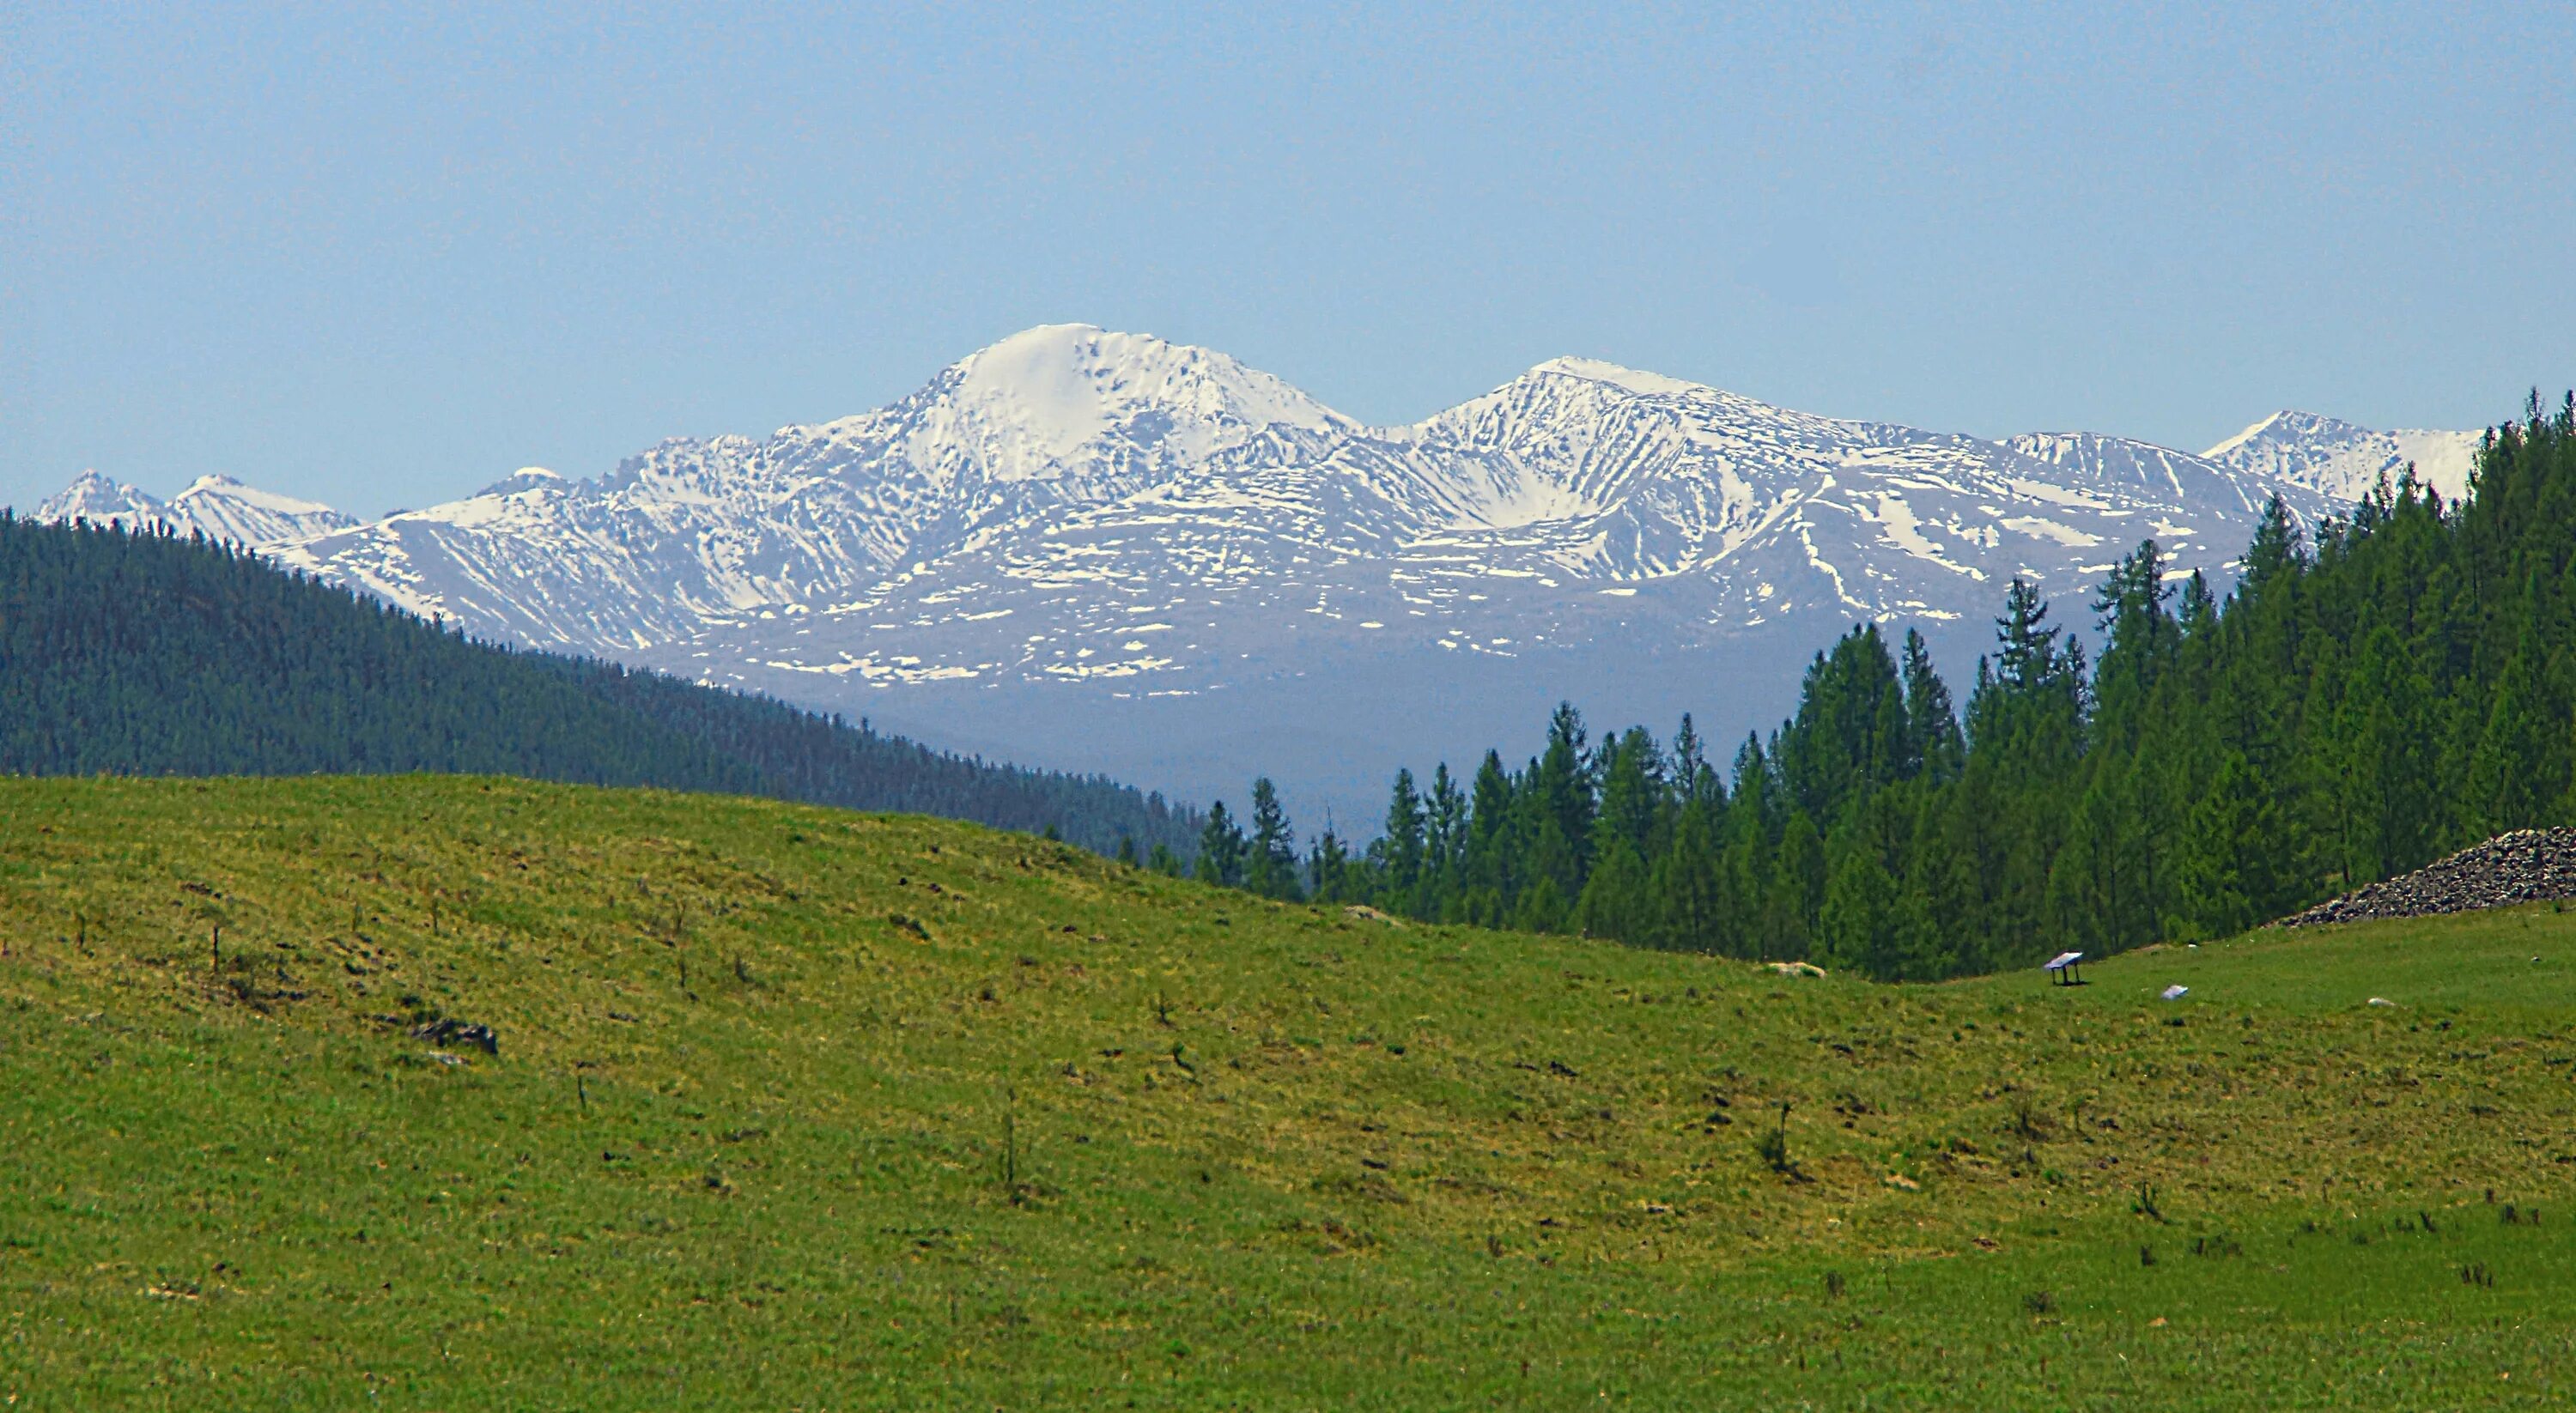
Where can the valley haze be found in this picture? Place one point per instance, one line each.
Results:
(1101, 551)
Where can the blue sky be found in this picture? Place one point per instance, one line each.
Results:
(384, 256)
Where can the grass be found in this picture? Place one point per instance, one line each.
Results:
(944, 1117)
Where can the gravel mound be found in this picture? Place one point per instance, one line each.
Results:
(2526, 866)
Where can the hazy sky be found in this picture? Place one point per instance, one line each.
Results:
(382, 257)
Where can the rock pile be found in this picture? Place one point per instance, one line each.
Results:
(2526, 866)
(457, 1032)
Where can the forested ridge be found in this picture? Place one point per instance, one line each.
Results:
(148, 654)
(2360, 702)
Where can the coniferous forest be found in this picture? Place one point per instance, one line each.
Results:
(147, 654)
(2361, 701)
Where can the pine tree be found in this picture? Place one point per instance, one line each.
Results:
(1632, 797)
(1935, 747)
(2226, 877)
(1562, 785)
(1486, 863)
(1694, 780)
(1221, 849)
(2278, 549)
(1850, 735)
(1797, 890)
(1444, 840)
(1328, 866)
(1859, 924)
(1617, 901)
(1542, 908)
(1399, 853)
(1689, 886)
(1270, 867)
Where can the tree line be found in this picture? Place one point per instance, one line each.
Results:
(150, 654)
(2360, 702)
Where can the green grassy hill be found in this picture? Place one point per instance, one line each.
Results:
(799, 1108)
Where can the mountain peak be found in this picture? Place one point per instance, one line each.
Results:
(102, 499)
(2285, 425)
(1635, 380)
(1048, 397)
(2344, 461)
(216, 506)
(526, 478)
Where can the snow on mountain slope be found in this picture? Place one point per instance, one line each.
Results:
(219, 507)
(1516, 523)
(1073, 525)
(228, 510)
(702, 532)
(102, 500)
(2342, 461)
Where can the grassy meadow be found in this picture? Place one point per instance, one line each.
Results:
(796, 1108)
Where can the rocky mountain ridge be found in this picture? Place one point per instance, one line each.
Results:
(1073, 520)
(218, 507)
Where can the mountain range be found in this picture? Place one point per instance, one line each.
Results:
(1104, 551)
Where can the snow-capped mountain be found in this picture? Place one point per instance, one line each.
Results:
(1073, 479)
(1107, 551)
(700, 532)
(218, 507)
(2344, 462)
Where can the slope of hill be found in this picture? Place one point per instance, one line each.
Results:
(790, 1107)
(151, 654)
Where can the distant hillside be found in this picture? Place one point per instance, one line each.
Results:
(148, 654)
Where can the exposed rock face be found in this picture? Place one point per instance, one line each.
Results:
(457, 1032)
(2526, 866)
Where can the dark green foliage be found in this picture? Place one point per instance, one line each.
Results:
(1221, 849)
(1270, 865)
(2357, 706)
(153, 655)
